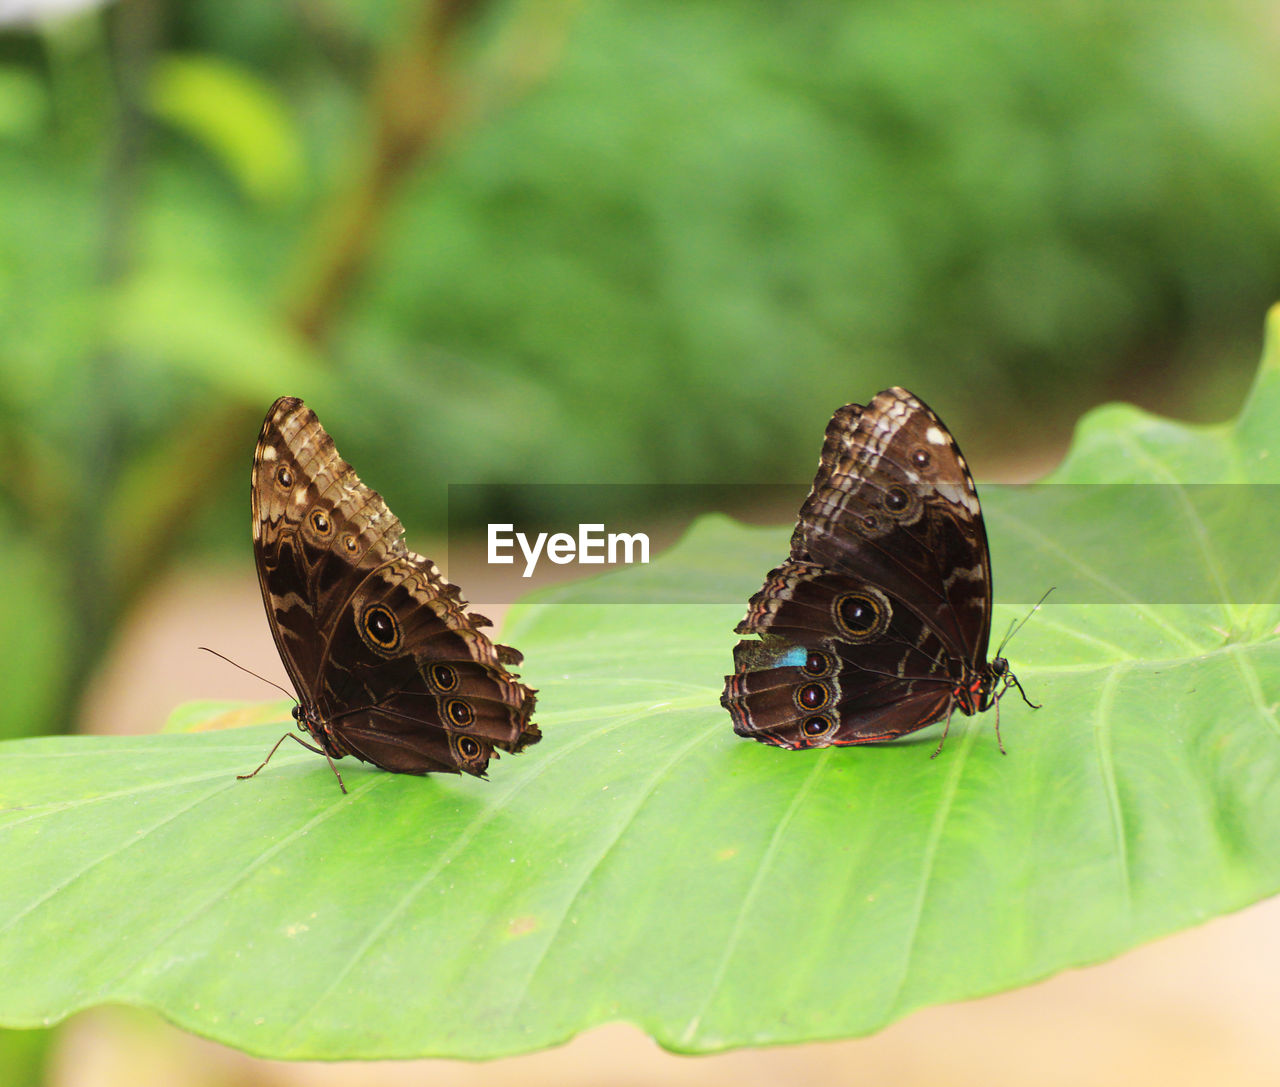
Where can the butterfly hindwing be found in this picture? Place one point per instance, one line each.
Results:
(388, 663)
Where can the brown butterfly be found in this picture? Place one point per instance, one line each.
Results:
(388, 664)
(878, 623)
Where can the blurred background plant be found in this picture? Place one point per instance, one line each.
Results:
(516, 241)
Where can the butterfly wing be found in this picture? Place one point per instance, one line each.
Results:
(889, 584)
(388, 663)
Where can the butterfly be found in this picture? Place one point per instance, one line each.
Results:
(388, 664)
(878, 623)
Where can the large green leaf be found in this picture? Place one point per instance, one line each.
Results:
(644, 864)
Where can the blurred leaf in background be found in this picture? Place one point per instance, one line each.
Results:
(712, 209)
(237, 117)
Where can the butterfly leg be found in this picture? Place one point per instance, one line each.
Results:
(309, 747)
(1014, 680)
(945, 729)
(1010, 680)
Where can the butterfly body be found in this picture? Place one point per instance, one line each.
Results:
(877, 625)
(388, 664)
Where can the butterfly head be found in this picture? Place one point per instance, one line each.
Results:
(998, 676)
(989, 685)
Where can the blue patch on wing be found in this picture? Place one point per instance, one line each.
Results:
(793, 657)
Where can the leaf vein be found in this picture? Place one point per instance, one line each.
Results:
(211, 900)
(476, 825)
(753, 889)
(121, 847)
(1106, 761)
(936, 830)
(1117, 592)
(626, 823)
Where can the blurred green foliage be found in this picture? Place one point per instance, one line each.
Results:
(520, 240)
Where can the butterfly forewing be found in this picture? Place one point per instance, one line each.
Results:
(888, 585)
(894, 503)
(388, 664)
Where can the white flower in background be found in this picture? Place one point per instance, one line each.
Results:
(20, 12)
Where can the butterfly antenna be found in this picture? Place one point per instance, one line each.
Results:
(1014, 629)
(290, 694)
